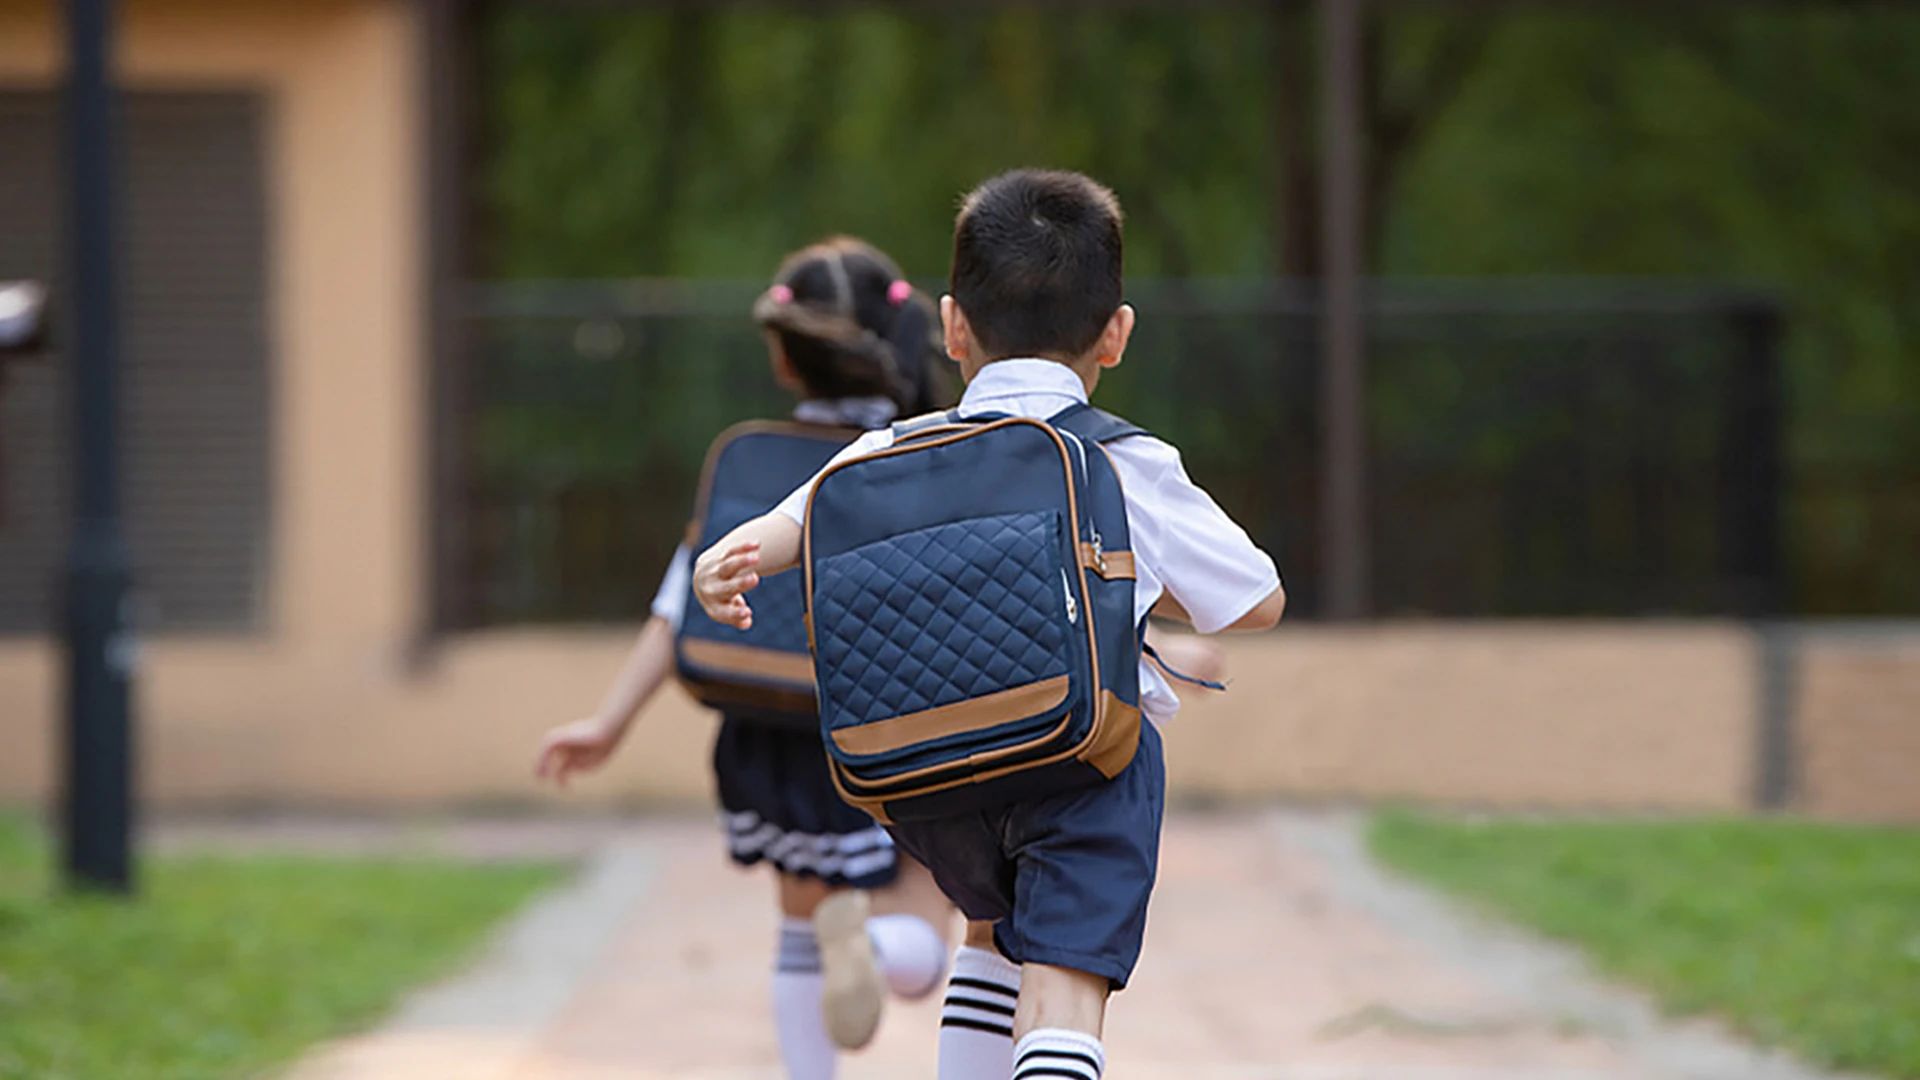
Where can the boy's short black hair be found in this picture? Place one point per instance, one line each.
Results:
(1037, 263)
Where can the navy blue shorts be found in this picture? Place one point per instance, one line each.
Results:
(1065, 879)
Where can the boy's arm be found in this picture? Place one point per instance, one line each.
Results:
(1216, 578)
(1188, 654)
(724, 573)
(1262, 616)
(766, 545)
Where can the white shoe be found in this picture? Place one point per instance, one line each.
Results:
(853, 992)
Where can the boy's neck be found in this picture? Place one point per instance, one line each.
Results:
(1087, 369)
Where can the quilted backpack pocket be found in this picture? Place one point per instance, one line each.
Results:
(943, 644)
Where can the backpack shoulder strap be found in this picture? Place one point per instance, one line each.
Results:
(1095, 425)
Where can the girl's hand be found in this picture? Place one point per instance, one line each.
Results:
(722, 576)
(581, 746)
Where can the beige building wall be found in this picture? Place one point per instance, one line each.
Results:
(344, 593)
(321, 709)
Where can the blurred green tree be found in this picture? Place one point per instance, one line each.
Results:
(1771, 145)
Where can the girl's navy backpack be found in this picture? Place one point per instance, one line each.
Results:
(970, 600)
(762, 673)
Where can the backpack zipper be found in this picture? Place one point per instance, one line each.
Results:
(1066, 590)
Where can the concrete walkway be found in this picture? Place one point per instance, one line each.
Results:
(1276, 951)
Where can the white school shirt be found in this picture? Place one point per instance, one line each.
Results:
(1182, 542)
(670, 600)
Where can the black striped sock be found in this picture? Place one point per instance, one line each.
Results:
(799, 950)
(981, 996)
(1058, 1054)
(976, 1020)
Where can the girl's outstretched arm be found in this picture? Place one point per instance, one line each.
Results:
(585, 745)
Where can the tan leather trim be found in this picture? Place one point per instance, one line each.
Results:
(749, 659)
(1110, 748)
(1109, 565)
(980, 759)
(725, 696)
(691, 537)
(970, 715)
(1117, 737)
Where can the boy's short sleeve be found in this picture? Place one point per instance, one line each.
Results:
(794, 506)
(670, 603)
(1200, 555)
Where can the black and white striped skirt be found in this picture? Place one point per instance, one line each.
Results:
(778, 805)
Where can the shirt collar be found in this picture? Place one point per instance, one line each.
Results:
(1014, 377)
(861, 412)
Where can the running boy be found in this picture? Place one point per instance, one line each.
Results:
(1058, 885)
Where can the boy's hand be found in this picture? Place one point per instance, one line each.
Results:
(581, 746)
(721, 575)
(1190, 654)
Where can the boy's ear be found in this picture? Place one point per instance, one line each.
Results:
(953, 327)
(1113, 340)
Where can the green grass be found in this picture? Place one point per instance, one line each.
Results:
(1805, 936)
(224, 966)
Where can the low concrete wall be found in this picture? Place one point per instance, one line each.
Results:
(1576, 716)
(1857, 721)
(1552, 715)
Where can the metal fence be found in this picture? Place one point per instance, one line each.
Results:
(1544, 448)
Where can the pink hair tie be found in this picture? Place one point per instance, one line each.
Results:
(898, 292)
(781, 294)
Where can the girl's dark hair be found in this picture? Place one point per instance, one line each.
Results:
(852, 326)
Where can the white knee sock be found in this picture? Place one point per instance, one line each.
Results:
(909, 952)
(1058, 1052)
(976, 1022)
(804, 1046)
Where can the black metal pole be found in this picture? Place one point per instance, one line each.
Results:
(99, 751)
(1346, 550)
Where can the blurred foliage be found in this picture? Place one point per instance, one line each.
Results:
(224, 966)
(1768, 145)
(710, 141)
(1804, 935)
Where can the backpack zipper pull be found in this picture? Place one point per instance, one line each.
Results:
(1099, 554)
(1066, 590)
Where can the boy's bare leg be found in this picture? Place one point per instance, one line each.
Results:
(980, 935)
(1058, 1023)
(976, 1021)
(1057, 997)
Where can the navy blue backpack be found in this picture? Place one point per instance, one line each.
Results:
(970, 604)
(762, 673)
